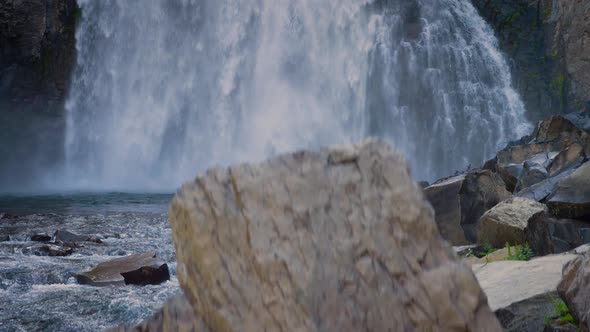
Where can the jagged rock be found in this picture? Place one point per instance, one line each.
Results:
(336, 240)
(540, 191)
(507, 221)
(547, 235)
(508, 282)
(53, 251)
(571, 196)
(532, 173)
(528, 315)
(510, 174)
(481, 191)
(176, 315)
(43, 237)
(69, 237)
(141, 269)
(574, 289)
(445, 200)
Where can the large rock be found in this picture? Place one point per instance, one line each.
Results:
(548, 235)
(528, 315)
(176, 315)
(445, 199)
(141, 269)
(574, 289)
(481, 191)
(342, 239)
(508, 282)
(507, 222)
(571, 197)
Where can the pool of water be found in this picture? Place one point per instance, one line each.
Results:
(39, 293)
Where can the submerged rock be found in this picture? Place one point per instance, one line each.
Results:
(507, 222)
(53, 251)
(141, 269)
(341, 239)
(571, 197)
(176, 315)
(43, 237)
(63, 235)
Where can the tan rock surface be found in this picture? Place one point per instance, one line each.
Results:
(342, 239)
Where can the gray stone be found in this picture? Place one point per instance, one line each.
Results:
(141, 269)
(445, 199)
(41, 237)
(528, 315)
(67, 236)
(574, 289)
(313, 242)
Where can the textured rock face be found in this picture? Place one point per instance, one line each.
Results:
(175, 316)
(528, 315)
(37, 54)
(337, 240)
(507, 222)
(549, 44)
(574, 289)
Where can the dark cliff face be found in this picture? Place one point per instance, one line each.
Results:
(37, 54)
(548, 43)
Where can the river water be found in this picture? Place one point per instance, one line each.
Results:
(38, 293)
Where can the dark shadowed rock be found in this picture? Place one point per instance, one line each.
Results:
(532, 173)
(571, 157)
(528, 315)
(43, 237)
(541, 190)
(138, 269)
(4, 238)
(507, 222)
(571, 196)
(548, 235)
(444, 197)
(574, 289)
(176, 315)
(481, 191)
(336, 240)
(53, 251)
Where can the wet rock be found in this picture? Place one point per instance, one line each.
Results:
(94, 239)
(7, 216)
(43, 237)
(571, 157)
(445, 200)
(508, 282)
(311, 242)
(53, 251)
(4, 238)
(548, 235)
(141, 269)
(67, 236)
(176, 315)
(507, 222)
(528, 315)
(574, 289)
(571, 196)
(532, 173)
(481, 191)
(510, 173)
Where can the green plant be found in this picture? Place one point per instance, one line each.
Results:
(469, 253)
(557, 85)
(521, 253)
(554, 54)
(562, 312)
(487, 249)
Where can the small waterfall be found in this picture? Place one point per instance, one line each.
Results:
(165, 88)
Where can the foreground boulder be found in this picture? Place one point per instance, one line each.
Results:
(571, 198)
(574, 289)
(507, 222)
(176, 315)
(142, 269)
(337, 240)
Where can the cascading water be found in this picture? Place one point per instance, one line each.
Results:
(166, 88)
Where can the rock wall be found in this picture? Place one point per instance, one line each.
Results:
(548, 42)
(37, 54)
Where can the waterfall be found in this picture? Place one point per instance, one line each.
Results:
(166, 88)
